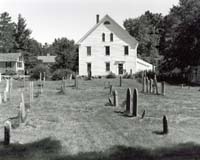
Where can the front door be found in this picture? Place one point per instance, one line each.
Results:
(120, 68)
(89, 67)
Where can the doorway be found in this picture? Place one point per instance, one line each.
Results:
(120, 69)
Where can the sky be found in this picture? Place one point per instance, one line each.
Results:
(50, 19)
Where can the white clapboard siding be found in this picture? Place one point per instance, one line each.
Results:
(98, 57)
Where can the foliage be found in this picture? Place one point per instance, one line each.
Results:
(60, 73)
(7, 29)
(146, 29)
(111, 75)
(22, 34)
(139, 75)
(181, 36)
(66, 51)
(39, 68)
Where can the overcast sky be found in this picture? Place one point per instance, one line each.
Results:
(50, 19)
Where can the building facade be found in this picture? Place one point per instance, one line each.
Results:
(11, 62)
(106, 48)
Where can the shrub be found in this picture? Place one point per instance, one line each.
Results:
(111, 75)
(60, 73)
(9, 73)
(35, 72)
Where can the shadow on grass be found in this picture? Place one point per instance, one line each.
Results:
(49, 149)
(43, 149)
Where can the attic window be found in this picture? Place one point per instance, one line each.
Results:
(106, 22)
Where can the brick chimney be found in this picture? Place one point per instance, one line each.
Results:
(97, 18)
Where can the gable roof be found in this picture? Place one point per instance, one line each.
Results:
(117, 28)
(47, 59)
(9, 57)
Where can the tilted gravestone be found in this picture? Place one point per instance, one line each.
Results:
(7, 132)
(128, 100)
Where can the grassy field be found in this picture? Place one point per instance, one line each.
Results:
(79, 124)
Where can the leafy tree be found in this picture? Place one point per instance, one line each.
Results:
(66, 52)
(180, 36)
(146, 29)
(6, 33)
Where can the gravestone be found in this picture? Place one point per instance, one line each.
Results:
(128, 100)
(120, 81)
(7, 132)
(147, 85)
(22, 111)
(115, 98)
(110, 90)
(7, 85)
(165, 125)
(163, 88)
(76, 82)
(155, 84)
(143, 83)
(135, 102)
(5, 98)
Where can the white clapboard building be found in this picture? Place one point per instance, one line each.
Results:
(106, 48)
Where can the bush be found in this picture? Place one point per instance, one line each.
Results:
(111, 75)
(9, 73)
(60, 73)
(40, 68)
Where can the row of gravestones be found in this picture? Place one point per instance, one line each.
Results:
(132, 105)
(63, 85)
(22, 114)
(150, 86)
(131, 101)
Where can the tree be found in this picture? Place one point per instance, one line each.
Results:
(146, 29)
(6, 33)
(180, 36)
(66, 52)
(22, 34)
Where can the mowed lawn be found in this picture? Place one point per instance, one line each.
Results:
(81, 125)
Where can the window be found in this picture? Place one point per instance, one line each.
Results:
(20, 58)
(126, 51)
(103, 37)
(106, 22)
(8, 64)
(111, 37)
(107, 50)
(19, 64)
(88, 51)
(107, 66)
(89, 67)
